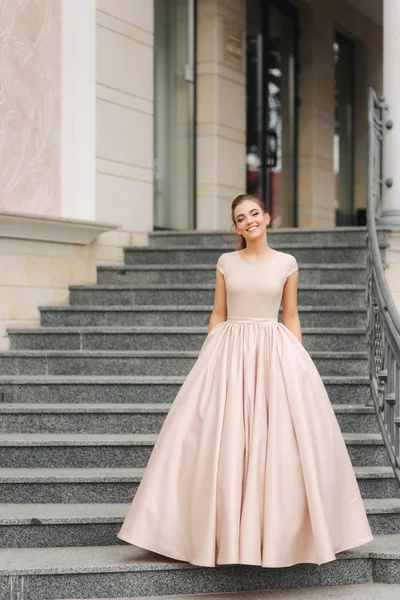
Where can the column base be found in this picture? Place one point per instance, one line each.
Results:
(390, 219)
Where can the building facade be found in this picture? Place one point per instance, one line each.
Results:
(154, 113)
(119, 117)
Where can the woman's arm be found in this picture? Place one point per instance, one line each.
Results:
(219, 311)
(290, 315)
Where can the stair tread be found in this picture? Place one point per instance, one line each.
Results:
(12, 474)
(132, 407)
(55, 513)
(182, 308)
(211, 267)
(348, 245)
(22, 514)
(382, 505)
(76, 439)
(153, 353)
(64, 407)
(86, 439)
(131, 379)
(371, 472)
(163, 329)
(127, 558)
(90, 379)
(204, 286)
(271, 232)
(21, 475)
(360, 591)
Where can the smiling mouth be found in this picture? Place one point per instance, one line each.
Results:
(252, 227)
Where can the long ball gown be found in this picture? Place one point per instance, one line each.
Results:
(250, 466)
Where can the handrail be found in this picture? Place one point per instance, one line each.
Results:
(383, 323)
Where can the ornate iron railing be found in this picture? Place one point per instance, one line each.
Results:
(383, 316)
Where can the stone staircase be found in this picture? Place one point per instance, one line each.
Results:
(83, 397)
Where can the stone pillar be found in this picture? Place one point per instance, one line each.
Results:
(391, 89)
(78, 109)
(316, 183)
(221, 112)
(124, 99)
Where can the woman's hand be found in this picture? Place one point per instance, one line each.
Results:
(290, 315)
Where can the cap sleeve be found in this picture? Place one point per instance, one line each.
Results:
(221, 264)
(292, 266)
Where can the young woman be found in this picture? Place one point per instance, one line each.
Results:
(250, 466)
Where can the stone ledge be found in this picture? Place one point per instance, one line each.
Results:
(51, 229)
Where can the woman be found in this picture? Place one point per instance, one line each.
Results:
(250, 466)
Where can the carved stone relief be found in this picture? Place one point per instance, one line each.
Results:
(30, 96)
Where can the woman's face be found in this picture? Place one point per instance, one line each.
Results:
(250, 221)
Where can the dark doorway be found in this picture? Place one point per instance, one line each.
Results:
(271, 108)
(343, 139)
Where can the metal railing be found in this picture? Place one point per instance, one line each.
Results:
(383, 316)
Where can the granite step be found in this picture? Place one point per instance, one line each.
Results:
(131, 418)
(88, 418)
(383, 515)
(140, 389)
(124, 571)
(163, 338)
(202, 294)
(348, 252)
(282, 235)
(97, 362)
(355, 419)
(93, 485)
(310, 273)
(132, 450)
(363, 591)
(183, 316)
(53, 525)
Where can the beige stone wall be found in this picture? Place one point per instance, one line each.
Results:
(38, 273)
(30, 56)
(124, 90)
(221, 113)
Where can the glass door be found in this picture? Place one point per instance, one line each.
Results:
(343, 139)
(271, 108)
(174, 110)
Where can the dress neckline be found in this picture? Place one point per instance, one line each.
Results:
(258, 262)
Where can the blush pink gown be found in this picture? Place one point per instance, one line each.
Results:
(250, 465)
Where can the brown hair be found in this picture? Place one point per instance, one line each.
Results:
(241, 240)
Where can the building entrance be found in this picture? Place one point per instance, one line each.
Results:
(271, 108)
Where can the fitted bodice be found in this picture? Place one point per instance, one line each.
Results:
(254, 289)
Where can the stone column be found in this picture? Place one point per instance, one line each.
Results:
(391, 89)
(316, 183)
(124, 97)
(221, 112)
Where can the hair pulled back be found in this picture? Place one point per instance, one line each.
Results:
(241, 240)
